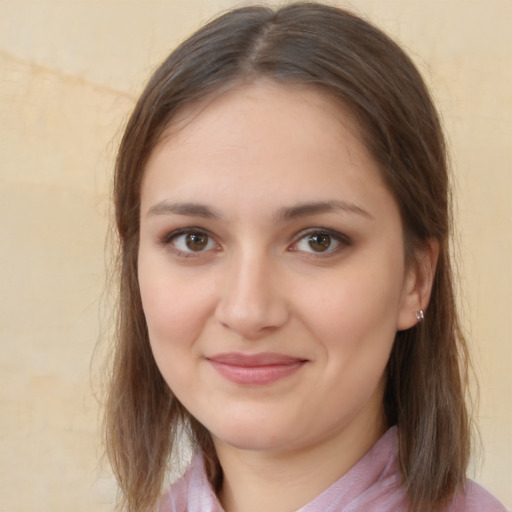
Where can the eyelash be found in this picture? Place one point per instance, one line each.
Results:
(340, 239)
(169, 240)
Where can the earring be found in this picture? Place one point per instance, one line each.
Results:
(420, 315)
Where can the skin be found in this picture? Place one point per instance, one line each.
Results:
(248, 160)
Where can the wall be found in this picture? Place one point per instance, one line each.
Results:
(69, 73)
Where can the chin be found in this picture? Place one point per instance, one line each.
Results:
(254, 444)
(245, 436)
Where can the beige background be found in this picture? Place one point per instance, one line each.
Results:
(69, 73)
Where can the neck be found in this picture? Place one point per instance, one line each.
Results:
(287, 480)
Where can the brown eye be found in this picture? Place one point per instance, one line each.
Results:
(319, 242)
(196, 241)
(191, 241)
(322, 242)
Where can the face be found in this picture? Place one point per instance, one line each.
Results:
(271, 269)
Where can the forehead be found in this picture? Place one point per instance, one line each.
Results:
(262, 94)
(290, 139)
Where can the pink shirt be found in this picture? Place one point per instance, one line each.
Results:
(372, 485)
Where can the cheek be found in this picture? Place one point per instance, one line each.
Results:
(355, 317)
(356, 328)
(359, 305)
(174, 319)
(175, 309)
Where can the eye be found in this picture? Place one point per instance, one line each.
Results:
(320, 241)
(191, 241)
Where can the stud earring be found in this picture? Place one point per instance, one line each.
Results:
(420, 315)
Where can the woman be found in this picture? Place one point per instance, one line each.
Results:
(283, 211)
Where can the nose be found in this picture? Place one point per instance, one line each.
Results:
(252, 302)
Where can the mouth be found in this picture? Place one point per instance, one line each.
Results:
(255, 369)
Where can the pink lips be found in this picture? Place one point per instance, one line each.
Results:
(255, 369)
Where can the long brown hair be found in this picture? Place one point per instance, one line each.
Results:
(357, 65)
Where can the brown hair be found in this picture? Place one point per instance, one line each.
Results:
(356, 64)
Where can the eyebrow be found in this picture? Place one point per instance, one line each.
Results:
(189, 209)
(312, 208)
(284, 214)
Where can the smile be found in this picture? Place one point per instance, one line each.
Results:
(255, 369)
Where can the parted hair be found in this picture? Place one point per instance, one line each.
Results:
(362, 69)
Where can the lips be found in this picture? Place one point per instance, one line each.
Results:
(255, 369)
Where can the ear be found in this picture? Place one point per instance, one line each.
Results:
(418, 284)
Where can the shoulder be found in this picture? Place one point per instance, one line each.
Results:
(475, 498)
(192, 492)
(175, 499)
